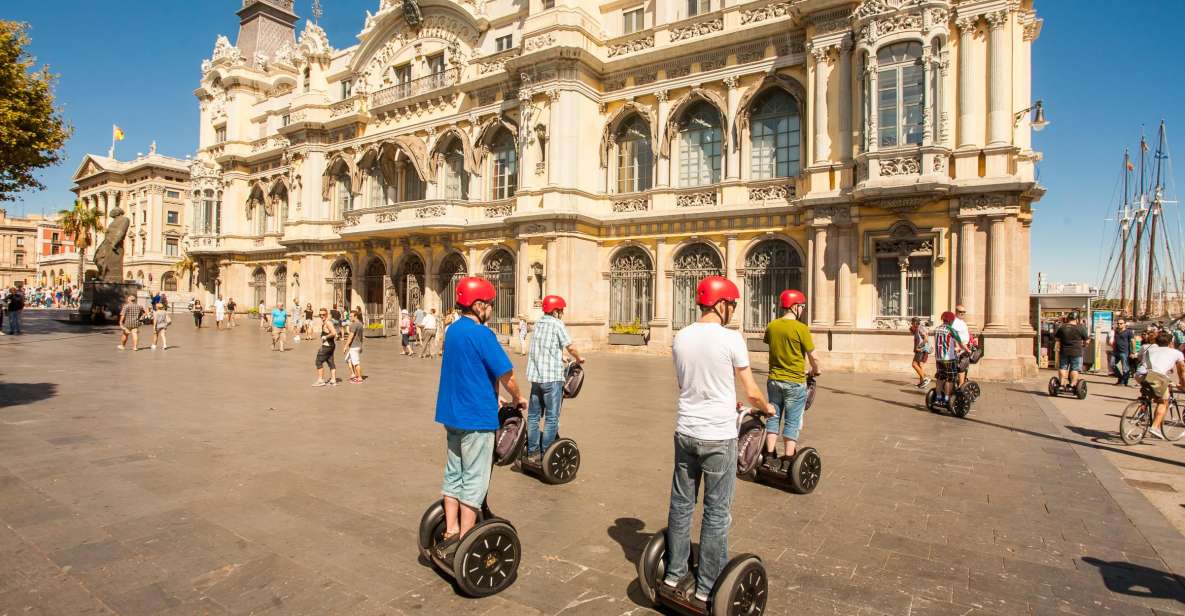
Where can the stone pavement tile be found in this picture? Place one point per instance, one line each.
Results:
(149, 599)
(63, 533)
(277, 584)
(903, 545)
(1003, 601)
(923, 606)
(439, 597)
(52, 597)
(881, 595)
(988, 560)
(22, 504)
(202, 606)
(91, 555)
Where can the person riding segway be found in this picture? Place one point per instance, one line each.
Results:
(555, 459)
(459, 534)
(709, 359)
(1071, 339)
(948, 393)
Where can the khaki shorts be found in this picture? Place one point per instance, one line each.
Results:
(1159, 384)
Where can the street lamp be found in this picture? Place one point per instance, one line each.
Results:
(1038, 110)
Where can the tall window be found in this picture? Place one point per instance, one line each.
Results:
(260, 216)
(699, 146)
(171, 248)
(774, 136)
(698, 7)
(694, 263)
(347, 88)
(456, 180)
(505, 166)
(635, 158)
(502, 43)
(436, 64)
(632, 21)
(209, 213)
(899, 94)
(20, 258)
(343, 199)
(413, 186)
(376, 186)
(401, 74)
(770, 268)
(219, 134)
(631, 287)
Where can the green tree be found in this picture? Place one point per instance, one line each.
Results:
(32, 130)
(186, 266)
(82, 223)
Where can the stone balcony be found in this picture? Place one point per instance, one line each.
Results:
(404, 92)
(423, 215)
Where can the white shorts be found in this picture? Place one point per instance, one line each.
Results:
(354, 356)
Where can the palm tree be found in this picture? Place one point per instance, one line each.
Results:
(186, 265)
(82, 223)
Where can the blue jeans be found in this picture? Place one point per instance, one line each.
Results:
(14, 322)
(790, 399)
(1121, 367)
(1073, 363)
(715, 463)
(467, 468)
(546, 398)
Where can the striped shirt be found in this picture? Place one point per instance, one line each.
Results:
(546, 361)
(946, 341)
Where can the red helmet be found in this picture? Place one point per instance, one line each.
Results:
(948, 317)
(472, 289)
(791, 297)
(552, 303)
(715, 288)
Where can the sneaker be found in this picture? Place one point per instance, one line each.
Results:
(319, 383)
(165, 347)
(333, 382)
(1157, 433)
(120, 347)
(925, 382)
(153, 347)
(355, 380)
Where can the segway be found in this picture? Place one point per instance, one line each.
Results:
(741, 589)
(485, 561)
(1056, 388)
(800, 472)
(559, 462)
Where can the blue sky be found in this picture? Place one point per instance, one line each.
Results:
(1103, 72)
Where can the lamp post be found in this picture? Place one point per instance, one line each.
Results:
(1038, 121)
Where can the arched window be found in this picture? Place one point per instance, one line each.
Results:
(452, 269)
(899, 96)
(499, 270)
(635, 158)
(413, 186)
(770, 268)
(281, 284)
(372, 286)
(280, 203)
(699, 146)
(631, 287)
(340, 280)
(456, 179)
(694, 263)
(505, 162)
(376, 186)
(411, 283)
(168, 282)
(343, 199)
(774, 136)
(259, 286)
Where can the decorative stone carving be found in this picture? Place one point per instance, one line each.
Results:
(985, 205)
(539, 42)
(386, 217)
(431, 211)
(314, 43)
(700, 199)
(940, 163)
(343, 108)
(996, 19)
(350, 220)
(784, 192)
(694, 30)
(902, 165)
(769, 11)
(501, 210)
(901, 205)
(224, 51)
(540, 168)
(631, 46)
(872, 8)
(261, 60)
(639, 204)
(897, 23)
(833, 214)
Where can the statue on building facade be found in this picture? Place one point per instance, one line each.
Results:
(109, 254)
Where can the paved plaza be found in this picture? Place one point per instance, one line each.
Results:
(211, 479)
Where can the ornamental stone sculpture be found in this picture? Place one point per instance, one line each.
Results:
(109, 254)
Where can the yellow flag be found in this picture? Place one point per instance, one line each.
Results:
(116, 132)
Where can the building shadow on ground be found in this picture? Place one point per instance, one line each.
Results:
(1098, 436)
(1139, 581)
(16, 394)
(1070, 441)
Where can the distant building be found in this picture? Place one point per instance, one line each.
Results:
(1073, 288)
(17, 254)
(57, 257)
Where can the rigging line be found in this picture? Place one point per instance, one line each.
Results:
(1172, 262)
(1103, 235)
(1109, 272)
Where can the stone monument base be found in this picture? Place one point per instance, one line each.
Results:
(102, 301)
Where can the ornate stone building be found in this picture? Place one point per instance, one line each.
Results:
(18, 252)
(153, 192)
(875, 154)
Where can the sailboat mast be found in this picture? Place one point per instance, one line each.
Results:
(1124, 223)
(1137, 270)
(1155, 210)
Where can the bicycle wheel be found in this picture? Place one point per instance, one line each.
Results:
(1134, 423)
(1174, 425)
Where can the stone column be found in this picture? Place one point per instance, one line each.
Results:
(845, 100)
(522, 268)
(822, 74)
(970, 86)
(845, 257)
(967, 269)
(1000, 76)
(732, 166)
(821, 300)
(873, 136)
(730, 272)
(657, 132)
(997, 287)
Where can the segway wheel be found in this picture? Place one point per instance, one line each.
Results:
(805, 471)
(961, 405)
(432, 525)
(972, 389)
(1080, 390)
(749, 446)
(1055, 384)
(742, 591)
(652, 565)
(487, 559)
(561, 461)
(931, 396)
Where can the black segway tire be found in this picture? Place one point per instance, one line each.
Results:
(561, 461)
(931, 396)
(742, 588)
(960, 405)
(750, 443)
(1055, 385)
(805, 471)
(432, 526)
(972, 389)
(652, 565)
(487, 559)
(1080, 390)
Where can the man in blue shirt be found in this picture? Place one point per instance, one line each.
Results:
(279, 322)
(545, 372)
(473, 366)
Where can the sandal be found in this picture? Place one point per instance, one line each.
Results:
(447, 546)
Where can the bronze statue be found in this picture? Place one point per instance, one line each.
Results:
(109, 254)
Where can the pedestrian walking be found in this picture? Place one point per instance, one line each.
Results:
(921, 350)
(307, 326)
(354, 346)
(1122, 350)
(129, 323)
(325, 352)
(15, 304)
(230, 313)
(428, 334)
(279, 324)
(336, 314)
(219, 312)
(520, 326)
(405, 326)
(264, 321)
(545, 372)
(196, 308)
(160, 324)
(473, 368)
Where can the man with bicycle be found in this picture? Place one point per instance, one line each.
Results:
(1160, 362)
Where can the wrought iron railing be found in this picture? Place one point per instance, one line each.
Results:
(415, 87)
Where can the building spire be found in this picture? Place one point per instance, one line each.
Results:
(317, 12)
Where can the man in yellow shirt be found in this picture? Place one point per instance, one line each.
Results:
(790, 346)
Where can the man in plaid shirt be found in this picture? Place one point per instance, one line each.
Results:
(129, 323)
(545, 371)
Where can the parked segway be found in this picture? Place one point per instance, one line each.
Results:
(800, 472)
(741, 588)
(561, 460)
(1057, 388)
(486, 559)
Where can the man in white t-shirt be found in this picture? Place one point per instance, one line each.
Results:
(1157, 369)
(960, 327)
(708, 360)
(219, 312)
(428, 334)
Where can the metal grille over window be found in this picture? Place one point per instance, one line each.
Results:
(904, 277)
(499, 270)
(452, 270)
(281, 286)
(411, 283)
(259, 285)
(694, 263)
(771, 267)
(372, 287)
(631, 288)
(342, 285)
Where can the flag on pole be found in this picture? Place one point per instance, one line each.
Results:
(116, 133)
(1130, 166)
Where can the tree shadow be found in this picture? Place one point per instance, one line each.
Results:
(15, 394)
(1139, 581)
